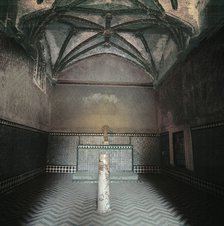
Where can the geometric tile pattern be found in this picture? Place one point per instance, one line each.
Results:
(12, 182)
(60, 169)
(62, 150)
(146, 150)
(101, 134)
(57, 201)
(120, 157)
(194, 181)
(210, 125)
(72, 169)
(62, 147)
(146, 169)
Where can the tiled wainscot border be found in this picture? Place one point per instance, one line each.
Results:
(60, 169)
(12, 182)
(72, 169)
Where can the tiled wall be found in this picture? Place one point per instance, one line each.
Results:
(72, 169)
(146, 169)
(164, 149)
(208, 159)
(146, 150)
(62, 155)
(60, 169)
(22, 155)
(62, 148)
(208, 152)
(178, 149)
(193, 180)
(12, 182)
(121, 157)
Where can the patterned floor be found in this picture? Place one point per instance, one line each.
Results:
(156, 200)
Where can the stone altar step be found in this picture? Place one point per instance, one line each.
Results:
(115, 176)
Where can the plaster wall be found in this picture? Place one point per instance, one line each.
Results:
(193, 93)
(105, 68)
(29, 6)
(187, 10)
(88, 108)
(21, 101)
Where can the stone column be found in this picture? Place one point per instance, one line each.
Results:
(104, 184)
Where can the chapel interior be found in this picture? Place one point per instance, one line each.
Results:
(140, 80)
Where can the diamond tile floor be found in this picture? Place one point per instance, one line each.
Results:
(56, 200)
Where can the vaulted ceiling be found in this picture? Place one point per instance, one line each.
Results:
(141, 31)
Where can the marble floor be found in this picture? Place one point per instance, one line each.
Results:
(56, 200)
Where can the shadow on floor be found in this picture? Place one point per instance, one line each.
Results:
(197, 207)
(55, 200)
(18, 203)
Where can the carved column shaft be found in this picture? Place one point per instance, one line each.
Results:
(104, 184)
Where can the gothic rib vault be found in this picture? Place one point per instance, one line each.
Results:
(68, 31)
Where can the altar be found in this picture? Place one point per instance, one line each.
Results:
(121, 162)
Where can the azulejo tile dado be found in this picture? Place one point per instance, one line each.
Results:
(146, 169)
(210, 125)
(195, 181)
(60, 169)
(101, 134)
(73, 169)
(20, 126)
(105, 146)
(12, 182)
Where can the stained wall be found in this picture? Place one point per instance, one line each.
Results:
(192, 98)
(24, 113)
(88, 108)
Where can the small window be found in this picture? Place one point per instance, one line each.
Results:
(178, 149)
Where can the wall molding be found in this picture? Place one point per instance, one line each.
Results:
(58, 133)
(20, 126)
(17, 125)
(209, 125)
(60, 168)
(195, 181)
(101, 134)
(197, 127)
(112, 146)
(12, 182)
(110, 84)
